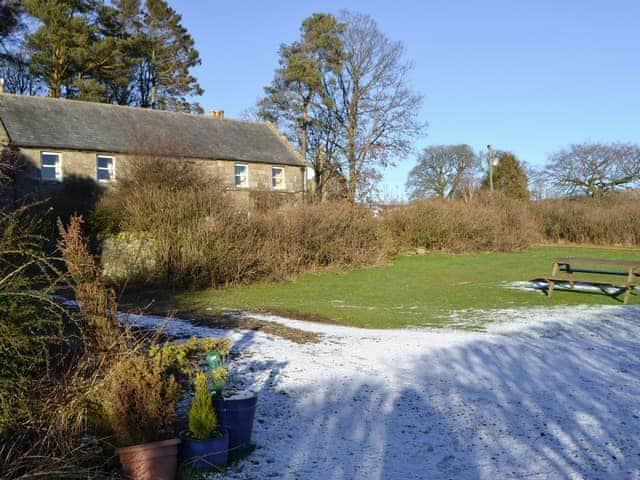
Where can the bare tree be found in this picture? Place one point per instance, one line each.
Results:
(18, 76)
(595, 168)
(376, 112)
(442, 171)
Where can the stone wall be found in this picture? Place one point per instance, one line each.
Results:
(80, 166)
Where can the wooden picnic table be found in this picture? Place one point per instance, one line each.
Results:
(596, 266)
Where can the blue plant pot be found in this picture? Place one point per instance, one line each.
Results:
(206, 454)
(236, 415)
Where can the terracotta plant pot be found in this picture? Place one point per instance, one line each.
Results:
(150, 461)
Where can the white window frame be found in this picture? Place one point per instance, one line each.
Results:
(246, 177)
(283, 184)
(57, 166)
(112, 170)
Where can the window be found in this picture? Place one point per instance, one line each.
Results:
(105, 168)
(50, 167)
(277, 177)
(242, 175)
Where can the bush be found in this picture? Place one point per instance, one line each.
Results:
(200, 238)
(611, 220)
(38, 338)
(181, 359)
(488, 223)
(203, 422)
(139, 401)
(50, 363)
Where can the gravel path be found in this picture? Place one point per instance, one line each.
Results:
(545, 393)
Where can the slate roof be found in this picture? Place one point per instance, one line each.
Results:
(69, 124)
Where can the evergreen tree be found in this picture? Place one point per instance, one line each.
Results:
(117, 52)
(61, 44)
(10, 19)
(110, 57)
(167, 54)
(509, 177)
(296, 98)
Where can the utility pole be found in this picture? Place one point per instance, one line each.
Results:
(490, 160)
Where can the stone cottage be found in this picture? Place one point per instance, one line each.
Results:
(63, 140)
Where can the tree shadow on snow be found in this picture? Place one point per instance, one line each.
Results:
(559, 401)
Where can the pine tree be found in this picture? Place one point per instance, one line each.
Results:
(60, 45)
(117, 52)
(10, 19)
(296, 98)
(509, 177)
(122, 22)
(167, 52)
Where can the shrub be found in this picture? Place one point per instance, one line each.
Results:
(38, 339)
(220, 379)
(139, 401)
(611, 220)
(181, 358)
(488, 223)
(49, 364)
(200, 238)
(96, 302)
(203, 422)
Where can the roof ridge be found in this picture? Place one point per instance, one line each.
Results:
(32, 121)
(131, 107)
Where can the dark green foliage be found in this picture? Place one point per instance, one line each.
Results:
(63, 43)
(37, 336)
(10, 18)
(116, 52)
(167, 56)
(103, 220)
(297, 99)
(509, 177)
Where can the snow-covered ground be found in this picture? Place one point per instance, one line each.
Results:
(545, 393)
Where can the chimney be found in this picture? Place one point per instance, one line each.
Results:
(216, 113)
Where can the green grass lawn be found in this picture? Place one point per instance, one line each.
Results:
(431, 290)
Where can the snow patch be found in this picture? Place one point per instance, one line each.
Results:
(546, 393)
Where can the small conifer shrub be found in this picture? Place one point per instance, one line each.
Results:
(220, 378)
(203, 422)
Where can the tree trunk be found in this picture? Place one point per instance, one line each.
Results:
(352, 185)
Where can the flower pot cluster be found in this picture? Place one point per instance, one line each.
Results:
(139, 408)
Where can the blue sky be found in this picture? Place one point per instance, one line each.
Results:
(528, 76)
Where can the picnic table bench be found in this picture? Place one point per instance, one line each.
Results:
(564, 268)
